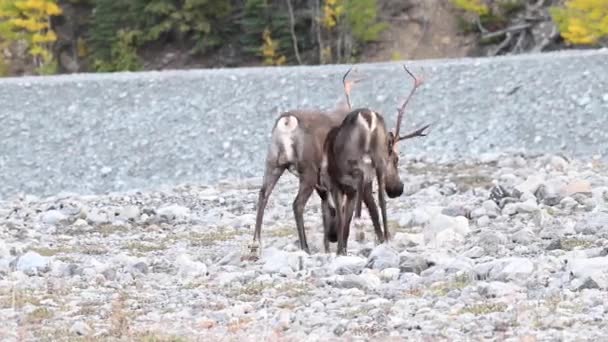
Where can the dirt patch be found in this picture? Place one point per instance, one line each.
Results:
(423, 29)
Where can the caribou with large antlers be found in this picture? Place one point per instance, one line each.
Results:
(296, 145)
(354, 153)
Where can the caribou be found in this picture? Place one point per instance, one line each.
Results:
(354, 153)
(297, 141)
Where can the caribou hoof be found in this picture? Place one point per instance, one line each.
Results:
(254, 251)
(360, 233)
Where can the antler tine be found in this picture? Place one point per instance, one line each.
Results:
(401, 110)
(420, 132)
(347, 87)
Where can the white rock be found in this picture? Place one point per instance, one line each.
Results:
(80, 223)
(4, 250)
(174, 212)
(444, 230)
(529, 206)
(344, 264)
(558, 163)
(383, 256)
(483, 221)
(582, 268)
(531, 184)
(497, 289)
(474, 253)
(510, 209)
(593, 223)
(129, 212)
(492, 209)
(188, 268)
(516, 268)
(523, 236)
(80, 328)
(53, 217)
(478, 212)
(32, 263)
(389, 274)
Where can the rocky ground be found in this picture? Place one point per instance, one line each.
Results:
(505, 247)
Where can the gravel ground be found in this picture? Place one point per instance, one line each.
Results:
(502, 247)
(98, 133)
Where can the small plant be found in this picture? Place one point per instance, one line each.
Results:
(473, 6)
(39, 315)
(29, 21)
(582, 22)
(484, 308)
(123, 55)
(269, 50)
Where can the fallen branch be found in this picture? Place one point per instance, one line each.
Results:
(503, 44)
(511, 29)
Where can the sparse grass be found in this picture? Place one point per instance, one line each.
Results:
(443, 288)
(110, 229)
(145, 247)
(294, 289)
(573, 243)
(157, 337)
(252, 289)
(212, 237)
(473, 180)
(484, 308)
(38, 315)
(239, 324)
(282, 232)
(17, 299)
(52, 251)
(94, 250)
(120, 317)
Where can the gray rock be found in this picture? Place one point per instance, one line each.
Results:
(174, 212)
(80, 328)
(592, 223)
(53, 217)
(383, 256)
(474, 252)
(528, 206)
(361, 281)
(445, 230)
(523, 236)
(456, 210)
(31, 263)
(412, 263)
(347, 265)
(492, 209)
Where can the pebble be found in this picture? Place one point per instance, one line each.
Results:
(179, 259)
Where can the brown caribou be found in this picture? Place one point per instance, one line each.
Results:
(354, 153)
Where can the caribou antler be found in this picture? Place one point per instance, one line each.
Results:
(417, 133)
(348, 86)
(401, 110)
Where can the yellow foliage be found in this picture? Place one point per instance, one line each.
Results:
(269, 50)
(332, 12)
(29, 21)
(475, 6)
(582, 21)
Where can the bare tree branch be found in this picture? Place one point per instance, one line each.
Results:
(510, 29)
(292, 28)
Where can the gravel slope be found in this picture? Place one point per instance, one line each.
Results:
(98, 133)
(506, 247)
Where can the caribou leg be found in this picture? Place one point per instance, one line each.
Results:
(271, 177)
(307, 186)
(368, 199)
